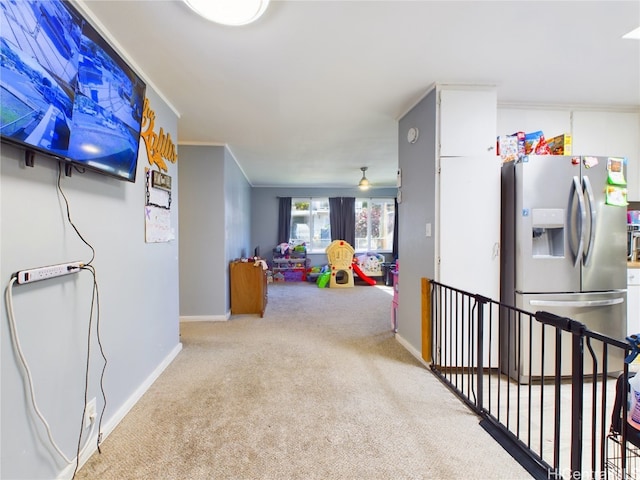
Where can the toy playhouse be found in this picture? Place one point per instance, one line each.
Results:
(340, 257)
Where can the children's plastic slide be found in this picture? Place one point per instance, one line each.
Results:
(362, 276)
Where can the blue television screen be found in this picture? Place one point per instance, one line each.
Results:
(64, 91)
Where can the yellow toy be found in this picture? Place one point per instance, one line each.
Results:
(340, 257)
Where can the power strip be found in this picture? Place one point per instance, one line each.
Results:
(44, 273)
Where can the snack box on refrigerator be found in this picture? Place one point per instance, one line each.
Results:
(560, 145)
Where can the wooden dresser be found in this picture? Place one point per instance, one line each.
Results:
(248, 288)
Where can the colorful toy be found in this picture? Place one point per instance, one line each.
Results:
(361, 274)
(340, 256)
(370, 263)
(324, 279)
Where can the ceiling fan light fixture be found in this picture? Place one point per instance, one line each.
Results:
(364, 181)
(229, 12)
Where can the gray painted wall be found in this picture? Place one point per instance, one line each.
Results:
(237, 205)
(264, 212)
(416, 252)
(138, 291)
(215, 228)
(201, 231)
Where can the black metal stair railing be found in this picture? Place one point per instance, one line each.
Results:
(546, 387)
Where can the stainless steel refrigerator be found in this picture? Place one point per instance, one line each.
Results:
(563, 238)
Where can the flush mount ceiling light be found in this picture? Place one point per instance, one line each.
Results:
(633, 34)
(364, 182)
(229, 12)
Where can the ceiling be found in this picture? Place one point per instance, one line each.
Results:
(314, 90)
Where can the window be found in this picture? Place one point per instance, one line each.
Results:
(374, 224)
(310, 223)
(375, 219)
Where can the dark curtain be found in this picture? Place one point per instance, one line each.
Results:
(342, 218)
(335, 218)
(349, 220)
(284, 220)
(395, 230)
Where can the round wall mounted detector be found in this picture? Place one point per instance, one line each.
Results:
(412, 135)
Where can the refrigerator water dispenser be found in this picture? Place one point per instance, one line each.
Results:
(547, 226)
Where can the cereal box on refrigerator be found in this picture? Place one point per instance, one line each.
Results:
(511, 147)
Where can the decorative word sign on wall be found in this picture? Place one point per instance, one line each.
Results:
(157, 208)
(159, 145)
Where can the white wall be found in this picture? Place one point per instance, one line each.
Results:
(519, 119)
(138, 292)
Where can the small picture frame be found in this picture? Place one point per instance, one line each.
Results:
(160, 180)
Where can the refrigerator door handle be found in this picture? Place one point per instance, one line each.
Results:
(592, 210)
(577, 303)
(582, 215)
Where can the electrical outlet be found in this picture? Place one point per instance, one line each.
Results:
(44, 273)
(90, 413)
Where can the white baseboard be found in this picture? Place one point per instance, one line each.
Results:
(205, 318)
(413, 351)
(111, 424)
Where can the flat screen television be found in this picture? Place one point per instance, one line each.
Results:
(64, 91)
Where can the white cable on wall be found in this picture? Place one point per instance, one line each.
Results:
(16, 344)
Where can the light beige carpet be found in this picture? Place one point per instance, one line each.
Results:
(317, 389)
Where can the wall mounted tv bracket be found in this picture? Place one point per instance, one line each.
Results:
(29, 158)
(29, 161)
